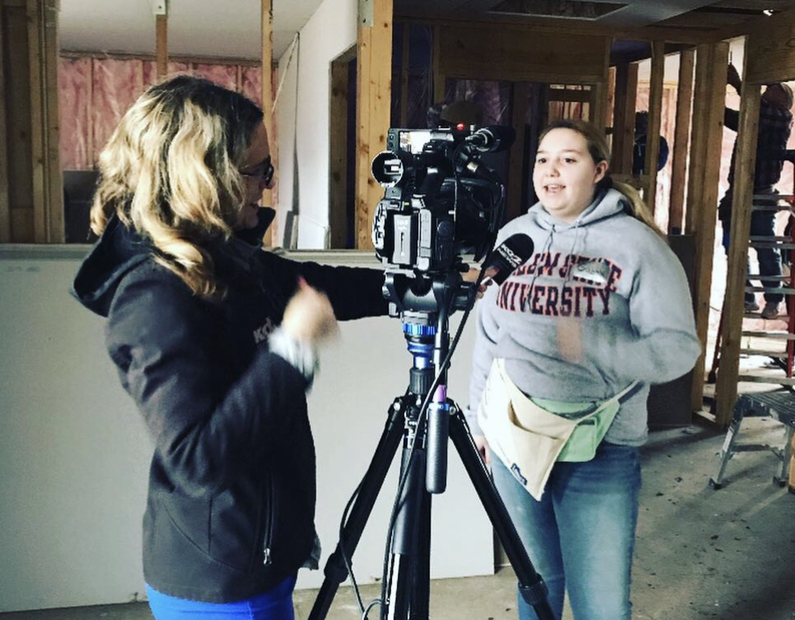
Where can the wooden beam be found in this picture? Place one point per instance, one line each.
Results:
(5, 205)
(702, 198)
(16, 95)
(684, 106)
(490, 52)
(18, 109)
(766, 28)
(373, 107)
(42, 66)
(161, 45)
(600, 90)
(266, 86)
(742, 199)
(338, 143)
(520, 99)
(624, 118)
(655, 119)
(697, 132)
(56, 226)
(567, 28)
(22, 225)
(770, 50)
(92, 152)
(38, 114)
(611, 98)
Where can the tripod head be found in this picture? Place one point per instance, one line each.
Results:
(424, 303)
(427, 294)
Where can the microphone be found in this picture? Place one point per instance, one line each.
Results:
(507, 256)
(493, 138)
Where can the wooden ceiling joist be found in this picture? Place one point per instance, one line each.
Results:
(160, 11)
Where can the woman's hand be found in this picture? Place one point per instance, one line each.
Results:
(309, 316)
(570, 339)
(471, 275)
(482, 445)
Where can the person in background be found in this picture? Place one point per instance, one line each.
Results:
(775, 125)
(216, 341)
(565, 351)
(639, 148)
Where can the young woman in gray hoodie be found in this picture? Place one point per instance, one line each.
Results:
(602, 305)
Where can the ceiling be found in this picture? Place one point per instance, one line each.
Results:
(204, 28)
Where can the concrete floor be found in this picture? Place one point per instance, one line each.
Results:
(726, 554)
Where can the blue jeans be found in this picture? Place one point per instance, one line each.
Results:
(275, 604)
(580, 537)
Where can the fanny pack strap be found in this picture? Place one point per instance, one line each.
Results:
(627, 391)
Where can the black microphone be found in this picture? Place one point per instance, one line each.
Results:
(493, 138)
(507, 256)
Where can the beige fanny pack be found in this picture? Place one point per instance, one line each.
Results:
(529, 439)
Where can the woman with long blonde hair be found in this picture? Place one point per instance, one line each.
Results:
(216, 342)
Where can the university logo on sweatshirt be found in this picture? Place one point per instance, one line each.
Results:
(581, 287)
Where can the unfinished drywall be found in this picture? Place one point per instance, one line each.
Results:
(74, 452)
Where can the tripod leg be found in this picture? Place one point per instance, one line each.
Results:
(420, 606)
(531, 585)
(336, 571)
(409, 567)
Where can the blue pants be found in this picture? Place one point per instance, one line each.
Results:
(276, 604)
(581, 535)
(763, 224)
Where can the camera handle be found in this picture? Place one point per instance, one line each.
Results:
(406, 583)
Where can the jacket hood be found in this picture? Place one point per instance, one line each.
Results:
(119, 250)
(606, 203)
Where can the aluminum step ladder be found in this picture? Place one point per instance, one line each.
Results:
(778, 405)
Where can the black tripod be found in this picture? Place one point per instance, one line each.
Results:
(425, 311)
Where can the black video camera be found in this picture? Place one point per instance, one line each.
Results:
(440, 201)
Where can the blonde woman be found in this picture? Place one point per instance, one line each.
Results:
(565, 351)
(215, 340)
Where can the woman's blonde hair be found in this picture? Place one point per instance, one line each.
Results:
(170, 171)
(599, 151)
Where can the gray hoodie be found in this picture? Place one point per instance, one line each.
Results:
(607, 277)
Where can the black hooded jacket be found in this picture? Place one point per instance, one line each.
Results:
(231, 501)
